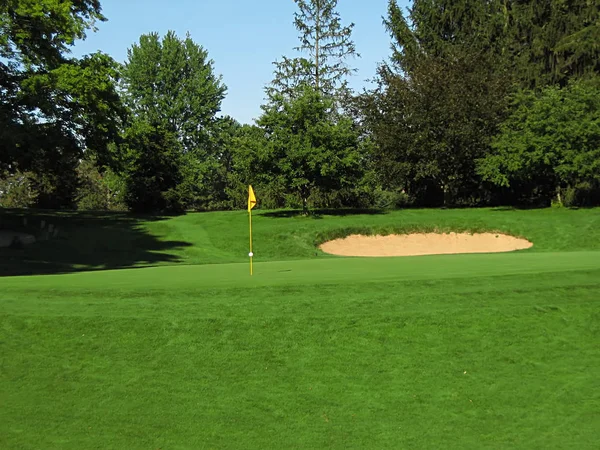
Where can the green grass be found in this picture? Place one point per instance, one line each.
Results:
(453, 351)
(110, 241)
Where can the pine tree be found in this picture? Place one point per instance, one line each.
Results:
(326, 44)
(436, 28)
(554, 41)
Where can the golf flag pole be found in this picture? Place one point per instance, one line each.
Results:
(251, 204)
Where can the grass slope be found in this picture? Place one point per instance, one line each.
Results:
(110, 241)
(453, 351)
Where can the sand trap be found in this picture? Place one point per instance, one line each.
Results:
(424, 244)
(7, 237)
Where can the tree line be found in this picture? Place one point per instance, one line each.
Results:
(481, 102)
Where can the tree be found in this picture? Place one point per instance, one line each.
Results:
(439, 101)
(327, 44)
(435, 28)
(544, 41)
(308, 149)
(170, 85)
(16, 190)
(99, 188)
(223, 148)
(53, 108)
(39, 33)
(153, 174)
(553, 41)
(251, 164)
(551, 140)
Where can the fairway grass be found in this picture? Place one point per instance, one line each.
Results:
(452, 351)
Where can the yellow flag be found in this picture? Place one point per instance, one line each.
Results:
(251, 198)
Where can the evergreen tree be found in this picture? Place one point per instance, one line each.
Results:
(553, 41)
(326, 44)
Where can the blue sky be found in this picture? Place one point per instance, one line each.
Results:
(242, 37)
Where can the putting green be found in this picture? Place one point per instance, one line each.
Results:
(323, 271)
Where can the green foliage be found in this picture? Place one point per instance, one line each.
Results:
(99, 191)
(552, 138)
(80, 98)
(435, 27)
(224, 147)
(439, 101)
(38, 33)
(53, 108)
(390, 199)
(326, 44)
(307, 147)
(553, 41)
(431, 124)
(55, 172)
(246, 155)
(311, 151)
(169, 84)
(544, 42)
(154, 177)
(443, 97)
(17, 190)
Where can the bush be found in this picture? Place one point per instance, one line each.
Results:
(583, 194)
(17, 190)
(99, 191)
(385, 199)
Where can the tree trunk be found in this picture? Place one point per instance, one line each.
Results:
(317, 42)
(447, 198)
(304, 194)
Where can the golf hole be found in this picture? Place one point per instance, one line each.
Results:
(424, 244)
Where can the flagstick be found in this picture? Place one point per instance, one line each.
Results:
(251, 254)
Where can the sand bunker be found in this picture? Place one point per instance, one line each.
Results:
(424, 244)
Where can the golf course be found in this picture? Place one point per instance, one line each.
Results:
(300, 224)
(131, 332)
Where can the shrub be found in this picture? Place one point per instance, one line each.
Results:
(17, 190)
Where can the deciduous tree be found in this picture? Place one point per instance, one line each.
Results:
(551, 140)
(53, 108)
(308, 148)
(170, 85)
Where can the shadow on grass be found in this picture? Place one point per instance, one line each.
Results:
(518, 208)
(319, 213)
(84, 241)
